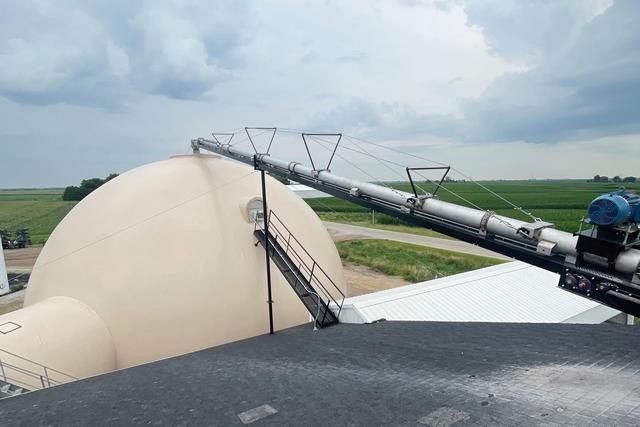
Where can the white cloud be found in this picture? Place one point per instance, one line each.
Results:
(139, 79)
(32, 68)
(118, 60)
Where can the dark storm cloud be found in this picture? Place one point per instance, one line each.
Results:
(91, 88)
(586, 85)
(101, 56)
(590, 89)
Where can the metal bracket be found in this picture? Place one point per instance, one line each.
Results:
(273, 135)
(532, 230)
(418, 202)
(546, 248)
(215, 136)
(413, 186)
(484, 221)
(306, 145)
(195, 147)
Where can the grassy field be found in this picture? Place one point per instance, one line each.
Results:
(38, 210)
(411, 262)
(563, 203)
(560, 202)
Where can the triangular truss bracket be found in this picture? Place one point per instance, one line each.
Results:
(333, 153)
(222, 138)
(438, 185)
(273, 130)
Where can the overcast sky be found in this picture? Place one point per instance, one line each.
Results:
(496, 88)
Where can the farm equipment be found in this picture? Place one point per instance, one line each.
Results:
(5, 235)
(21, 241)
(22, 238)
(601, 263)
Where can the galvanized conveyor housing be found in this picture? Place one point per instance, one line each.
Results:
(612, 279)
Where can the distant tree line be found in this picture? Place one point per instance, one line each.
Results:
(86, 186)
(617, 179)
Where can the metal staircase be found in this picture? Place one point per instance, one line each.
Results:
(319, 294)
(19, 375)
(9, 390)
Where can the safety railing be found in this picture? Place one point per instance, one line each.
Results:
(312, 272)
(30, 375)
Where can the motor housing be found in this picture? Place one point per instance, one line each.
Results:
(613, 209)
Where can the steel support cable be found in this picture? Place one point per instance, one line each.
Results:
(234, 131)
(384, 161)
(381, 160)
(509, 225)
(350, 138)
(452, 192)
(433, 269)
(397, 192)
(346, 219)
(262, 132)
(474, 205)
(402, 176)
(513, 205)
(444, 188)
(245, 139)
(364, 172)
(231, 131)
(319, 142)
(363, 151)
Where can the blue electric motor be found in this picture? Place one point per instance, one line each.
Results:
(615, 208)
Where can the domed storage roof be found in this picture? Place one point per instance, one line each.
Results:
(165, 255)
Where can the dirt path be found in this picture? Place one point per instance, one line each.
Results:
(19, 264)
(21, 260)
(341, 235)
(362, 280)
(341, 232)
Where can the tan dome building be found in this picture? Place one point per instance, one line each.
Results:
(158, 262)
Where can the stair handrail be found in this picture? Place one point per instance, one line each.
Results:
(45, 374)
(295, 270)
(313, 276)
(313, 279)
(312, 270)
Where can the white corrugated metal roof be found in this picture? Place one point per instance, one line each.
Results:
(306, 192)
(510, 292)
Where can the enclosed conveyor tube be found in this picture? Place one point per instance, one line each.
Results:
(539, 237)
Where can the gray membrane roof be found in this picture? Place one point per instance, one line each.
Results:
(388, 373)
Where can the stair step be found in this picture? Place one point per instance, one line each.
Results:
(300, 284)
(8, 390)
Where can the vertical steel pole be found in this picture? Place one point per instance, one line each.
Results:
(265, 214)
(4, 279)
